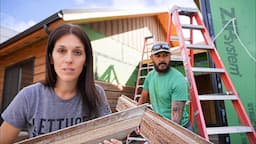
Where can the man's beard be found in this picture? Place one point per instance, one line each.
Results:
(162, 70)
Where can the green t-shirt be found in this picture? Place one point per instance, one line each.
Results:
(165, 88)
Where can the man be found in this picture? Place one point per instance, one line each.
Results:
(166, 87)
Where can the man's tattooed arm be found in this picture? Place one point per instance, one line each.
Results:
(177, 109)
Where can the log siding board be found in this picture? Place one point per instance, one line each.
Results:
(159, 130)
(133, 38)
(94, 131)
(154, 128)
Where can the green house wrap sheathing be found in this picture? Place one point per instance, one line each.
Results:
(236, 44)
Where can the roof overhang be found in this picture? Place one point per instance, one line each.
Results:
(78, 16)
(106, 14)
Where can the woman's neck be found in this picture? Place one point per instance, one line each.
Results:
(65, 90)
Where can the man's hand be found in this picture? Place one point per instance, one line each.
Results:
(112, 141)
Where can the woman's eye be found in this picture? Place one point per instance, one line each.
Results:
(77, 53)
(61, 50)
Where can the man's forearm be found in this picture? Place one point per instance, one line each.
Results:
(177, 109)
(143, 98)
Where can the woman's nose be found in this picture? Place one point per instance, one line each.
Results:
(68, 58)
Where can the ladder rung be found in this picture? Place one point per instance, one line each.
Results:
(137, 96)
(206, 47)
(217, 97)
(208, 70)
(142, 77)
(145, 52)
(149, 44)
(145, 68)
(139, 86)
(187, 11)
(149, 37)
(176, 58)
(190, 26)
(176, 38)
(147, 61)
(136, 139)
(228, 130)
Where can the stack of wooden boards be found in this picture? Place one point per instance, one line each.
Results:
(153, 127)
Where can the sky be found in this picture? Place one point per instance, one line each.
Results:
(22, 14)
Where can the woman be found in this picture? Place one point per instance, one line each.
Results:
(68, 96)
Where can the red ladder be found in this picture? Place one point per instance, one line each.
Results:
(145, 66)
(186, 48)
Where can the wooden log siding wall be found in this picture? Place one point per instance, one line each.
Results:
(1, 83)
(113, 92)
(130, 31)
(34, 50)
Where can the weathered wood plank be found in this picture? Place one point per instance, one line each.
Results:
(158, 130)
(125, 103)
(111, 126)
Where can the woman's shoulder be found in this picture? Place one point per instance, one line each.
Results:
(36, 88)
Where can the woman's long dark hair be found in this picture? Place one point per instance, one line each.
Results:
(85, 84)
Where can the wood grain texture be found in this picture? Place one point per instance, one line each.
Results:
(159, 130)
(111, 126)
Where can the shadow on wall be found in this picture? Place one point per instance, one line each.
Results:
(109, 75)
(133, 77)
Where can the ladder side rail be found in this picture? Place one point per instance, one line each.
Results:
(237, 104)
(139, 70)
(168, 38)
(191, 52)
(204, 31)
(215, 57)
(192, 61)
(192, 85)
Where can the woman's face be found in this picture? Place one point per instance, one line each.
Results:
(68, 58)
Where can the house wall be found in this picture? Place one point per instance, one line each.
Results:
(35, 50)
(117, 46)
(1, 82)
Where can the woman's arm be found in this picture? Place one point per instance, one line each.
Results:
(8, 133)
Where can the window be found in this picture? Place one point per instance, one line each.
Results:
(16, 77)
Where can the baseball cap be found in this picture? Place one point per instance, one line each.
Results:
(160, 47)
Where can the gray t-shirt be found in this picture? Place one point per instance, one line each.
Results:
(39, 109)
